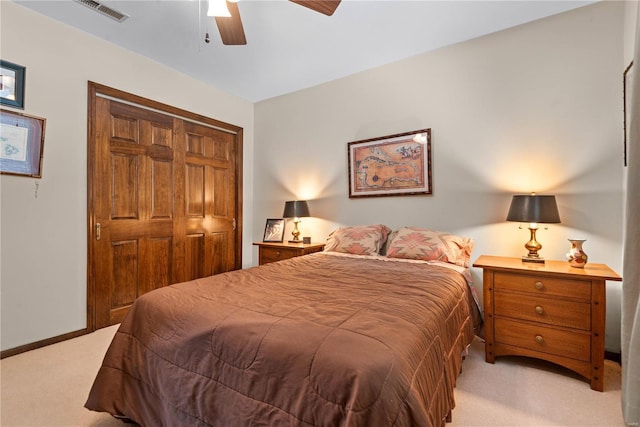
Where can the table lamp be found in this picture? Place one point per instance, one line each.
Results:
(296, 209)
(533, 209)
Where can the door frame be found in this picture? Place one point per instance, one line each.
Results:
(96, 90)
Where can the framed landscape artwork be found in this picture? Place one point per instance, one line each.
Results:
(394, 165)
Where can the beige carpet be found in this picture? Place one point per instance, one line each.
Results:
(48, 387)
(518, 391)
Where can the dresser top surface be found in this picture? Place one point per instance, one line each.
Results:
(590, 271)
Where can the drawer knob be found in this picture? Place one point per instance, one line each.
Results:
(539, 339)
(539, 286)
(539, 310)
(277, 253)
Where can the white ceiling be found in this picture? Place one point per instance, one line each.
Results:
(290, 47)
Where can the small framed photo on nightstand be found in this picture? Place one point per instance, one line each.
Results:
(274, 230)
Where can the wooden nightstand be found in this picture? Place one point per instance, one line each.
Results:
(272, 252)
(549, 311)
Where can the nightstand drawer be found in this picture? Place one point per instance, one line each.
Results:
(268, 255)
(551, 311)
(560, 342)
(543, 285)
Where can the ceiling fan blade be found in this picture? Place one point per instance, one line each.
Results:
(326, 7)
(230, 28)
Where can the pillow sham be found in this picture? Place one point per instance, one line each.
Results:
(358, 240)
(430, 245)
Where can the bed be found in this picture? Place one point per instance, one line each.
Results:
(341, 337)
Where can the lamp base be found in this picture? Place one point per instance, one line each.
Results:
(538, 260)
(295, 241)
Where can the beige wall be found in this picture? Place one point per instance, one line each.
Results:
(537, 107)
(631, 8)
(43, 246)
(533, 108)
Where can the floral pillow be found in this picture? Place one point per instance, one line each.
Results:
(429, 245)
(358, 240)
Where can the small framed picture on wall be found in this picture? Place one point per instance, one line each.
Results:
(12, 84)
(627, 88)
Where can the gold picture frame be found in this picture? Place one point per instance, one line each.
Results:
(21, 144)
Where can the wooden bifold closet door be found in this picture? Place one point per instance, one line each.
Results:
(164, 200)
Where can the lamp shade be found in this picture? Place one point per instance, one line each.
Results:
(534, 208)
(296, 209)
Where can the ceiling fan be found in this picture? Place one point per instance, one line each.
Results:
(229, 24)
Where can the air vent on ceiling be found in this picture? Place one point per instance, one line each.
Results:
(103, 9)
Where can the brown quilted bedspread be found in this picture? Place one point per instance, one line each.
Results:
(318, 340)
